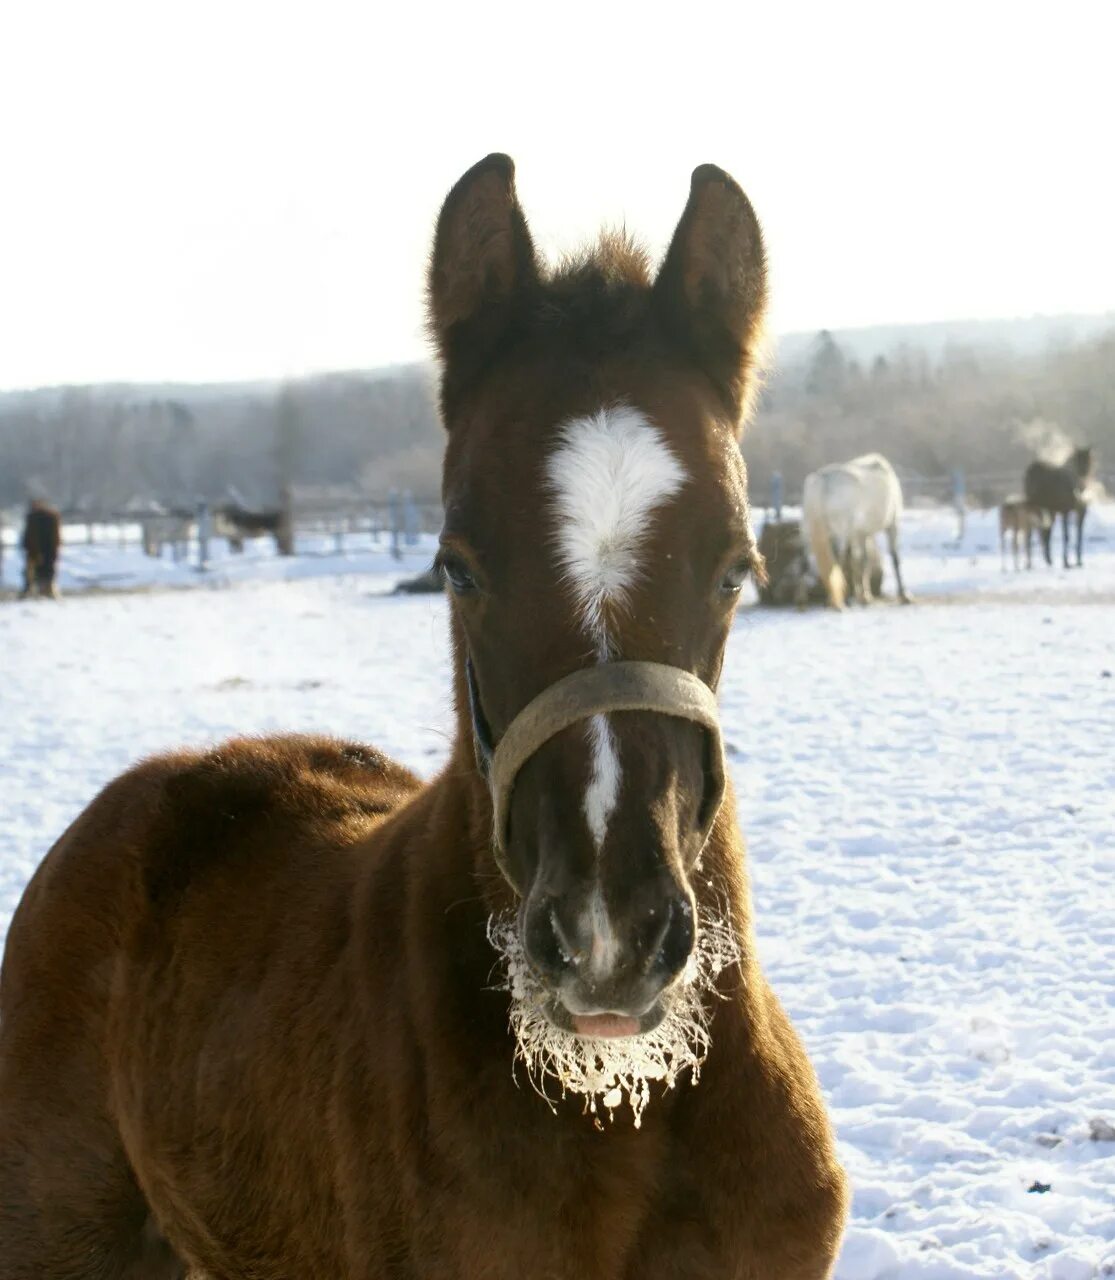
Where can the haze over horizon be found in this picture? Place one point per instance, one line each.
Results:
(212, 194)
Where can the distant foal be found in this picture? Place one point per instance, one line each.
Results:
(279, 1011)
(1018, 520)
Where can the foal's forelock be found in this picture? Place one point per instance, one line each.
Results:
(609, 474)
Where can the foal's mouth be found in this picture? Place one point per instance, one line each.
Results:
(605, 1024)
(606, 1055)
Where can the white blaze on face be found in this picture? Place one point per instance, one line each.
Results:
(603, 787)
(604, 950)
(608, 475)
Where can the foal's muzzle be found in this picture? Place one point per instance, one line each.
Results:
(650, 948)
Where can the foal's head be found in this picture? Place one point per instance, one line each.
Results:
(596, 510)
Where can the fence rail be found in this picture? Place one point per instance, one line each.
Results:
(977, 491)
(397, 522)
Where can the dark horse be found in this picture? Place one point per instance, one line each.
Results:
(253, 1018)
(237, 523)
(42, 538)
(1060, 491)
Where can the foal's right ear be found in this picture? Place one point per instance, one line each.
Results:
(482, 268)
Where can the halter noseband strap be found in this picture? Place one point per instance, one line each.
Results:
(612, 686)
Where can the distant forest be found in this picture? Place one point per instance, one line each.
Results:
(929, 408)
(111, 449)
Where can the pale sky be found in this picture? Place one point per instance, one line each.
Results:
(204, 191)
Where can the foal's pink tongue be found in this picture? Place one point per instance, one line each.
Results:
(604, 1026)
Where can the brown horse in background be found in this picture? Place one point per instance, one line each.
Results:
(42, 539)
(1061, 490)
(253, 1018)
(237, 523)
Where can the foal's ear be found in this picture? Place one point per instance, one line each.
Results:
(712, 289)
(482, 266)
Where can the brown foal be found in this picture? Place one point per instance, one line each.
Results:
(253, 1024)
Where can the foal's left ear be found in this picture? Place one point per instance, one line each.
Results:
(482, 268)
(712, 289)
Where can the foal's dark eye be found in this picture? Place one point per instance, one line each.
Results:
(456, 573)
(733, 580)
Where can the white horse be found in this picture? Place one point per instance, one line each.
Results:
(843, 506)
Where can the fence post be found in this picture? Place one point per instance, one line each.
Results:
(203, 536)
(396, 524)
(284, 529)
(776, 494)
(959, 500)
(410, 519)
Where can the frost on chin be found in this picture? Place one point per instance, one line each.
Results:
(606, 1071)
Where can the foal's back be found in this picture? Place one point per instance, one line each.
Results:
(268, 828)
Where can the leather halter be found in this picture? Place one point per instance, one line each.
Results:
(610, 687)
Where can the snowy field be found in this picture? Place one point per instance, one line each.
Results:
(928, 793)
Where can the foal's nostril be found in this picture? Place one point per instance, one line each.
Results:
(547, 943)
(655, 931)
(675, 938)
(567, 949)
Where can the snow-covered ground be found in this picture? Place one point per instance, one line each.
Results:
(929, 795)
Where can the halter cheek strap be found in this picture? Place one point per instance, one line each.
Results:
(612, 686)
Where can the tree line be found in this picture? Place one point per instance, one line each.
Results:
(112, 449)
(985, 411)
(106, 449)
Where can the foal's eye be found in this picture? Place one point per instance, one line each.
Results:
(732, 582)
(457, 574)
